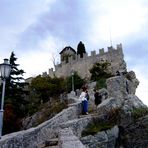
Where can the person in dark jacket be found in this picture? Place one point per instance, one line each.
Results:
(98, 98)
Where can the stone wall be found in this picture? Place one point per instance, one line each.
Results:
(82, 65)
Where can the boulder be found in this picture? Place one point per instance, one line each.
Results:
(117, 87)
(122, 106)
(104, 93)
(109, 105)
(132, 101)
(121, 86)
(102, 139)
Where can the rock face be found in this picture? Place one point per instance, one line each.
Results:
(120, 86)
(132, 82)
(102, 139)
(121, 97)
(117, 87)
(122, 93)
(128, 104)
(118, 107)
(135, 135)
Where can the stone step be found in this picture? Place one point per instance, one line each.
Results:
(51, 146)
(88, 115)
(53, 143)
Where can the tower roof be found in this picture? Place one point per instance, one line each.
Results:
(67, 48)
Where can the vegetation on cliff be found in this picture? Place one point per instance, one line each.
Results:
(99, 72)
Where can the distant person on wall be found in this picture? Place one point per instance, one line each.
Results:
(98, 98)
(118, 73)
(83, 97)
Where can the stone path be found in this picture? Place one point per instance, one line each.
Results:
(91, 114)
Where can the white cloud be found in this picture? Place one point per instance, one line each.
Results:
(37, 61)
(142, 90)
(118, 18)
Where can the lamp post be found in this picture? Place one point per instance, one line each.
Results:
(72, 81)
(5, 69)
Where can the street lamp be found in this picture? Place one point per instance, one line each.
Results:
(72, 73)
(5, 69)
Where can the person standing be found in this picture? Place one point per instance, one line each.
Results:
(83, 98)
(97, 96)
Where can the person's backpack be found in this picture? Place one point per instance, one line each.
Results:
(87, 96)
(99, 97)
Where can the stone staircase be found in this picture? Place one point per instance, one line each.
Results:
(51, 143)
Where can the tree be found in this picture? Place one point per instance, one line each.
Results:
(80, 49)
(47, 87)
(99, 72)
(14, 97)
(40, 86)
(15, 92)
(54, 59)
(78, 82)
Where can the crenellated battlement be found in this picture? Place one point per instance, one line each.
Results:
(110, 50)
(82, 65)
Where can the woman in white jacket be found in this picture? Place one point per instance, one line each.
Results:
(83, 99)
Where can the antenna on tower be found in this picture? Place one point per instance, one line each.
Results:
(110, 35)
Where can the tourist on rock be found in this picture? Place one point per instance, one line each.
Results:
(83, 97)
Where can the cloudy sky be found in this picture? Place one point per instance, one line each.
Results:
(37, 30)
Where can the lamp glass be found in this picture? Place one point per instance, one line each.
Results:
(5, 69)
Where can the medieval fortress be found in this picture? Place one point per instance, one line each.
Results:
(74, 63)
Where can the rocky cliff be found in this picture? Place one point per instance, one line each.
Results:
(125, 115)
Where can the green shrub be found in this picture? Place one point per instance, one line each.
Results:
(101, 83)
(100, 70)
(78, 82)
(94, 128)
(112, 118)
(139, 112)
(49, 111)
